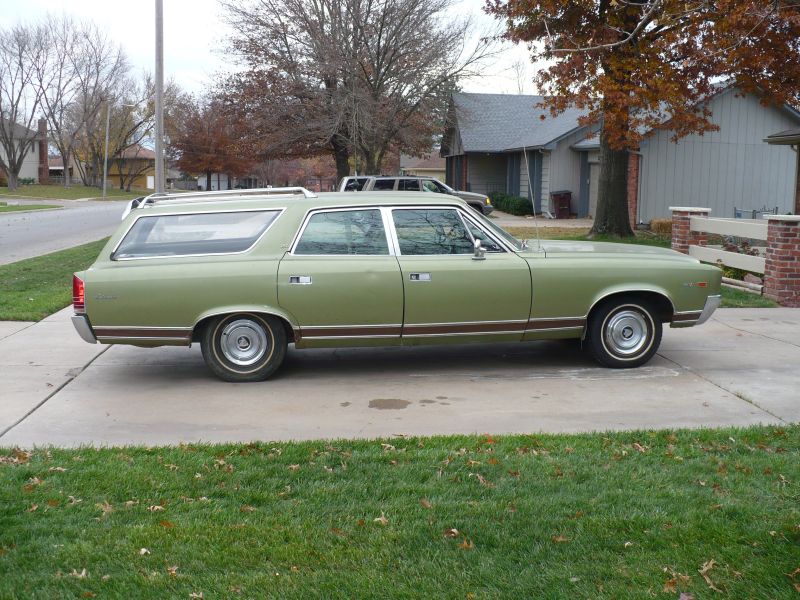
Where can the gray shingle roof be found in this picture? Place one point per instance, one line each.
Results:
(501, 122)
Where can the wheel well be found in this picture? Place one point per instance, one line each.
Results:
(197, 332)
(662, 304)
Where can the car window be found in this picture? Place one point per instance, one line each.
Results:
(430, 186)
(384, 184)
(409, 185)
(191, 234)
(344, 232)
(431, 231)
(441, 188)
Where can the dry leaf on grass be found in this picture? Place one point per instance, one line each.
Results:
(560, 539)
(143, 551)
(425, 503)
(105, 507)
(82, 575)
(704, 570)
(155, 508)
(294, 467)
(451, 533)
(172, 571)
(57, 469)
(247, 508)
(466, 544)
(382, 520)
(167, 524)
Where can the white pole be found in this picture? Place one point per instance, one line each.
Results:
(105, 159)
(159, 96)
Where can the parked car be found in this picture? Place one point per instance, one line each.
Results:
(353, 183)
(406, 183)
(244, 273)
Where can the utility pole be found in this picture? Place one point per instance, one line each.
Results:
(159, 96)
(105, 158)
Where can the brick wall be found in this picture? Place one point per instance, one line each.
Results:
(782, 270)
(682, 235)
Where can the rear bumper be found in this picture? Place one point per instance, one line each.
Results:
(84, 329)
(712, 304)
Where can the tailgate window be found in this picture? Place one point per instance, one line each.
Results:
(194, 234)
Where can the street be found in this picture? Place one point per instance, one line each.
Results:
(28, 234)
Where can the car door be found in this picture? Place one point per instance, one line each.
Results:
(341, 280)
(450, 293)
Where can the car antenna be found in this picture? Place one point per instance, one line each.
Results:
(533, 200)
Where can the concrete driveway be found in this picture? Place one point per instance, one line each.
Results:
(740, 368)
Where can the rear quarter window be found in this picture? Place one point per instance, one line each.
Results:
(193, 234)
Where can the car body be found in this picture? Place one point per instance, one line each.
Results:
(245, 274)
(411, 183)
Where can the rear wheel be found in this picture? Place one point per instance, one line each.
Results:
(244, 347)
(624, 333)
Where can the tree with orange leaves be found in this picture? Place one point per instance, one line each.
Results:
(639, 65)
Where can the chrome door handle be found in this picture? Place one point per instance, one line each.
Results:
(420, 277)
(300, 279)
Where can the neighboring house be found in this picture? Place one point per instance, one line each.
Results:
(493, 141)
(727, 169)
(55, 167)
(722, 170)
(134, 167)
(34, 165)
(431, 165)
(790, 137)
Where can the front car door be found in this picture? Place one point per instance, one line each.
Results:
(341, 281)
(450, 294)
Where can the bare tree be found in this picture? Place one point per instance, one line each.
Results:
(21, 48)
(81, 69)
(347, 77)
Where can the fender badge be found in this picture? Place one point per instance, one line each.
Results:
(104, 297)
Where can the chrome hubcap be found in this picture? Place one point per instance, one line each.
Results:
(243, 342)
(626, 333)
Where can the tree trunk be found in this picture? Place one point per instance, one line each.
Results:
(342, 157)
(372, 163)
(612, 197)
(12, 181)
(65, 161)
(208, 181)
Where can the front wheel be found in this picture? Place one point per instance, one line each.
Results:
(244, 347)
(624, 334)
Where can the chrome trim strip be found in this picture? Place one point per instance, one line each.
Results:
(463, 333)
(350, 326)
(104, 338)
(142, 327)
(279, 210)
(570, 328)
(349, 337)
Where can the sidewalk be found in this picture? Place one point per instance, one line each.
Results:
(507, 220)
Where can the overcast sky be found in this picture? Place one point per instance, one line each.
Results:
(194, 34)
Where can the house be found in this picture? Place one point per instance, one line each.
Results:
(34, 163)
(134, 167)
(493, 141)
(790, 137)
(431, 165)
(723, 170)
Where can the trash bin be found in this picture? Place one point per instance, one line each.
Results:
(561, 201)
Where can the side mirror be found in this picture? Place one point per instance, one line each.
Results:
(480, 252)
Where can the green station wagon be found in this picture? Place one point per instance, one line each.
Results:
(245, 273)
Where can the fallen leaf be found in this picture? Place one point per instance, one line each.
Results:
(338, 531)
(88, 595)
(172, 571)
(514, 473)
(32, 508)
(82, 575)
(144, 552)
(639, 447)
(560, 539)
(73, 500)
(704, 570)
(388, 448)
(105, 507)
(627, 544)
(57, 469)
(294, 467)
(382, 520)
(53, 502)
(466, 544)
(686, 596)
(451, 533)
(247, 508)
(155, 508)
(196, 595)
(493, 461)
(425, 503)
(167, 524)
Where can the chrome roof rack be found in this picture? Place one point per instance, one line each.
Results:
(180, 197)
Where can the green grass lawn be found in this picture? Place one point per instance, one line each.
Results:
(4, 207)
(75, 192)
(738, 299)
(623, 515)
(37, 287)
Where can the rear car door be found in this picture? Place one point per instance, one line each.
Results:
(341, 281)
(450, 294)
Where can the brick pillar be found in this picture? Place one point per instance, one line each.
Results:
(633, 187)
(682, 235)
(782, 270)
(44, 167)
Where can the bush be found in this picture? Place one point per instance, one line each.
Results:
(26, 181)
(513, 205)
(661, 226)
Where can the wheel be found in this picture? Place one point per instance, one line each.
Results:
(624, 333)
(244, 347)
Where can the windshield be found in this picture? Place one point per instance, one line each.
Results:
(497, 230)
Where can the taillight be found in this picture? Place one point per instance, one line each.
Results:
(78, 295)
